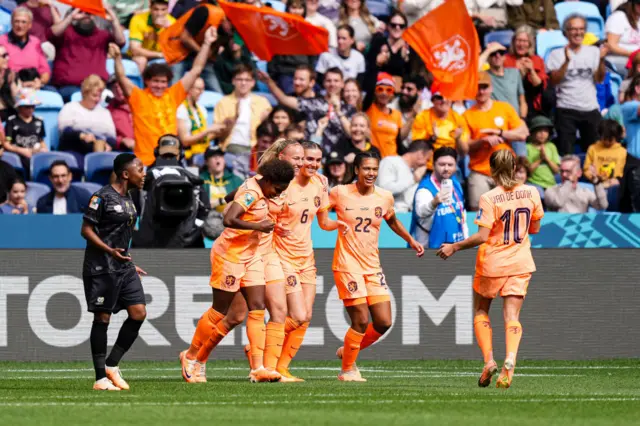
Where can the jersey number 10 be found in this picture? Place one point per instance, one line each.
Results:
(516, 214)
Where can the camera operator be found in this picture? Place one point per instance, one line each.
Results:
(173, 203)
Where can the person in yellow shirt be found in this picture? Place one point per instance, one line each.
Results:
(443, 125)
(143, 33)
(606, 159)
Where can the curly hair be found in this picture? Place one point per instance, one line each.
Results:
(276, 172)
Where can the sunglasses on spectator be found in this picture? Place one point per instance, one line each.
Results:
(4, 55)
(437, 98)
(385, 89)
(397, 26)
(494, 54)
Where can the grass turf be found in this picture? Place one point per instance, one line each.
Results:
(398, 392)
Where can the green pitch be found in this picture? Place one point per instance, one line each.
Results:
(407, 392)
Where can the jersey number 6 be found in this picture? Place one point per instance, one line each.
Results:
(506, 218)
(305, 216)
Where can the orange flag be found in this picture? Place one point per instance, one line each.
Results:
(447, 42)
(93, 7)
(267, 32)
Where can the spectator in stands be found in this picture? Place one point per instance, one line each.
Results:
(606, 160)
(337, 171)
(8, 86)
(154, 109)
(23, 48)
(193, 131)
(316, 108)
(493, 125)
(245, 111)
(86, 126)
(126, 9)
(45, 14)
(352, 94)
(295, 132)
(235, 53)
(542, 154)
(401, 174)
(443, 126)
(304, 80)
(321, 21)
(218, 180)
(631, 117)
(266, 135)
(522, 56)
(182, 41)
(633, 67)
(121, 116)
(81, 50)
(506, 82)
(623, 35)
(574, 71)
(29, 78)
(522, 170)
(7, 175)
(143, 33)
(438, 214)
(64, 199)
(409, 103)
(25, 132)
(360, 140)
(281, 116)
(356, 14)
(386, 124)
(569, 196)
(16, 203)
(349, 60)
(330, 9)
(538, 14)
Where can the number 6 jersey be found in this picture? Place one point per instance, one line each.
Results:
(507, 214)
(357, 250)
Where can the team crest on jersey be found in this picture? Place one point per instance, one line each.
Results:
(229, 281)
(378, 211)
(352, 286)
(292, 281)
(248, 199)
(95, 202)
(316, 201)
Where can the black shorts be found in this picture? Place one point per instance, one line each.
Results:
(114, 291)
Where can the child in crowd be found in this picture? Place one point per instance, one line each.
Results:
(542, 154)
(16, 203)
(522, 170)
(29, 78)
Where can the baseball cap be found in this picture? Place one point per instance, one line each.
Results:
(385, 79)
(169, 144)
(213, 151)
(27, 97)
(334, 158)
(484, 78)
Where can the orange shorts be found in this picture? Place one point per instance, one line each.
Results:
(295, 276)
(229, 276)
(357, 286)
(490, 287)
(272, 268)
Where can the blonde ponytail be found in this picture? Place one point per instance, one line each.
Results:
(503, 164)
(275, 149)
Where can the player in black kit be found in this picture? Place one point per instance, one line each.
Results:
(111, 280)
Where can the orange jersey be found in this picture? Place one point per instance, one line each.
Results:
(241, 245)
(266, 240)
(357, 250)
(508, 214)
(301, 206)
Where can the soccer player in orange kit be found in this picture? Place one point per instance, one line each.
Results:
(356, 261)
(504, 264)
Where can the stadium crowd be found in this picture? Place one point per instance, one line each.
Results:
(559, 83)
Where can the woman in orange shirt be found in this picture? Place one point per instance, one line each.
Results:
(504, 264)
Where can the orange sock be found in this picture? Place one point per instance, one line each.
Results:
(205, 326)
(484, 336)
(513, 331)
(290, 324)
(219, 331)
(273, 344)
(370, 337)
(256, 334)
(291, 345)
(352, 341)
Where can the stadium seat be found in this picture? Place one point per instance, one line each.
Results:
(260, 86)
(90, 187)
(616, 82)
(125, 49)
(272, 99)
(595, 23)
(98, 166)
(379, 9)
(131, 70)
(503, 37)
(209, 100)
(13, 159)
(35, 190)
(198, 160)
(41, 162)
(548, 41)
(48, 111)
(277, 5)
(5, 21)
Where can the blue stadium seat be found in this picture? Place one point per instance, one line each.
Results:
(616, 82)
(209, 100)
(595, 23)
(98, 166)
(125, 49)
(379, 8)
(272, 99)
(260, 86)
(35, 190)
(608, 11)
(198, 160)
(277, 5)
(131, 70)
(548, 41)
(503, 37)
(13, 159)
(5, 21)
(48, 111)
(41, 162)
(90, 187)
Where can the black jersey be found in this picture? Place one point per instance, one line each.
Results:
(113, 217)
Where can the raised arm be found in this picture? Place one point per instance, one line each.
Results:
(58, 28)
(283, 98)
(126, 85)
(118, 33)
(210, 36)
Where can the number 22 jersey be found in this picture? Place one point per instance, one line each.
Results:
(357, 251)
